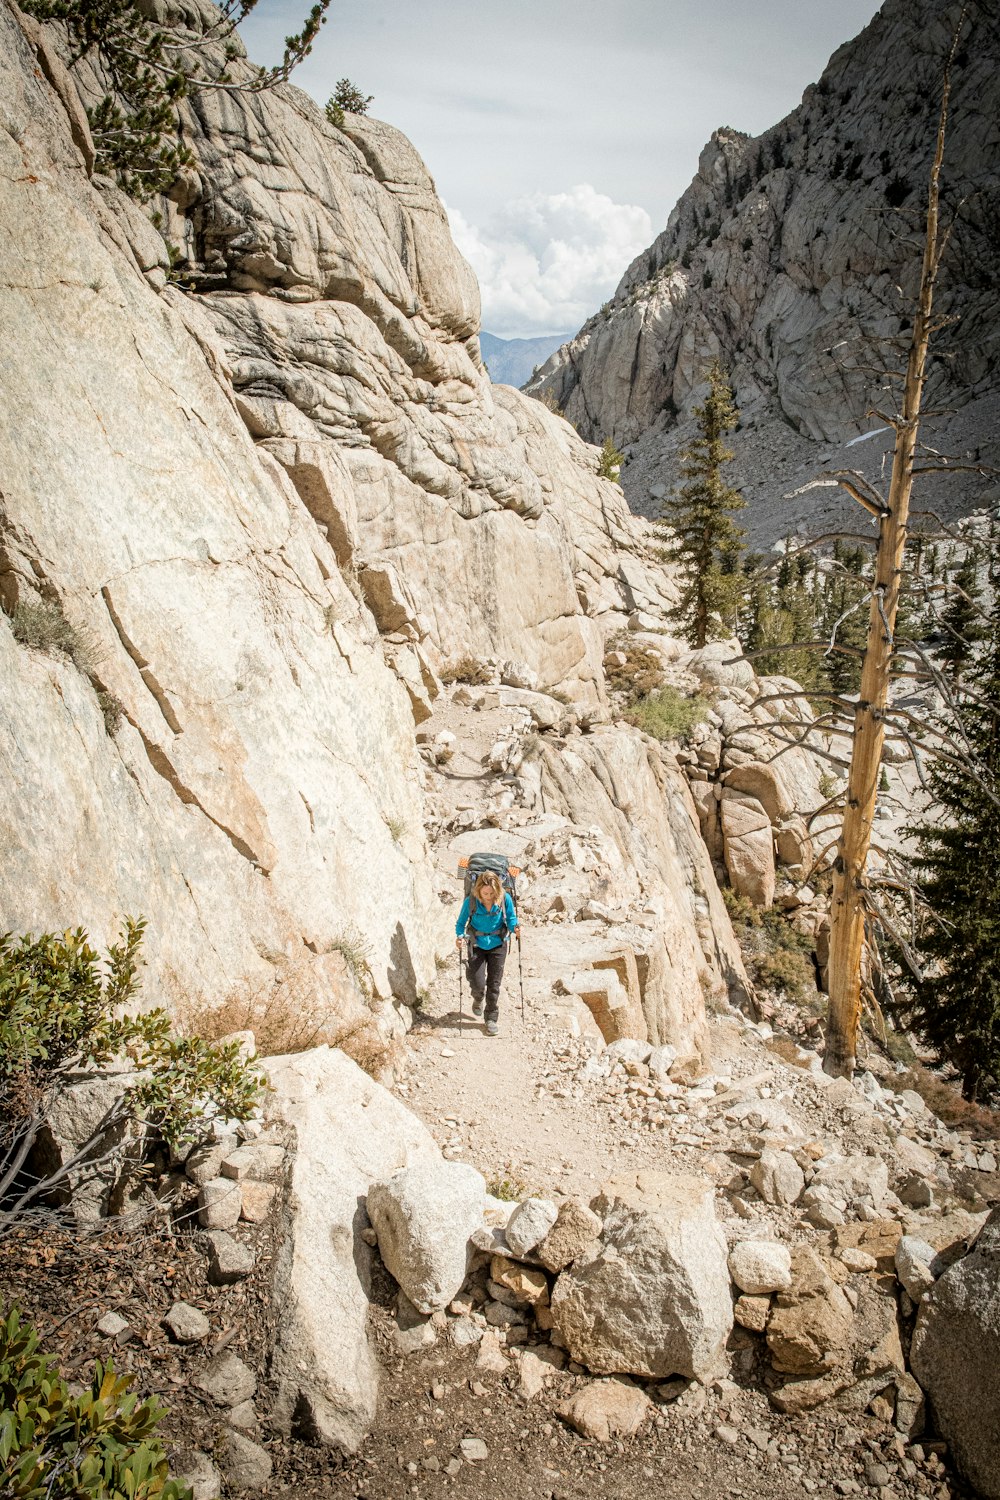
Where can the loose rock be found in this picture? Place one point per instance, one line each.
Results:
(424, 1216)
(607, 1409)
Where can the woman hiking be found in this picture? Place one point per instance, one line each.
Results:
(487, 919)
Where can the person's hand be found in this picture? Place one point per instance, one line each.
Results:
(458, 944)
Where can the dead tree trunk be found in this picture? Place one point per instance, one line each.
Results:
(849, 905)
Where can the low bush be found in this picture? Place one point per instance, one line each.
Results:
(509, 1186)
(59, 1013)
(468, 670)
(639, 674)
(667, 714)
(778, 957)
(44, 627)
(98, 1445)
(352, 945)
(609, 465)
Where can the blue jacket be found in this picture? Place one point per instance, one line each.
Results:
(487, 925)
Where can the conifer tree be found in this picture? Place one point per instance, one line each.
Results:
(957, 1006)
(843, 615)
(149, 65)
(701, 536)
(962, 616)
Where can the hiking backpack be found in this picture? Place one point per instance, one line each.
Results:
(472, 865)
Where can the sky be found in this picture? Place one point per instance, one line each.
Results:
(560, 133)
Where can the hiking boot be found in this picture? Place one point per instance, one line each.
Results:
(477, 1005)
(492, 1028)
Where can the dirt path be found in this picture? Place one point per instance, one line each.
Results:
(514, 1105)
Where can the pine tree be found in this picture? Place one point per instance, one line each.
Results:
(149, 65)
(700, 534)
(843, 615)
(957, 1007)
(962, 617)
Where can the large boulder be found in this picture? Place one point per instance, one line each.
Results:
(748, 845)
(424, 1216)
(956, 1357)
(653, 1297)
(766, 785)
(349, 1132)
(853, 1178)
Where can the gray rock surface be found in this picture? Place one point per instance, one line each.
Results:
(785, 250)
(349, 470)
(528, 1225)
(777, 1177)
(654, 1299)
(219, 1203)
(572, 1237)
(244, 1463)
(229, 1259)
(956, 1355)
(759, 1266)
(227, 1380)
(187, 1324)
(196, 1469)
(424, 1216)
(348, 1132)
(607, 1409)
(915, 1265)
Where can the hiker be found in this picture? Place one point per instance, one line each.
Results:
(487, 919)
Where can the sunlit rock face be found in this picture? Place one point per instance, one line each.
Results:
(793, 257)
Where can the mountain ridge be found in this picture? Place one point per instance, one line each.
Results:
(787, 257)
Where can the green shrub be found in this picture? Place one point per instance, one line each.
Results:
(346, 99)
(111, 710)
(609, 465)
(777, 956)
(637, 676)
(667, 714)
(59, 1013)
(100, 1445)
(350, 943)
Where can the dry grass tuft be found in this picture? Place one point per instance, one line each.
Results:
(468, 670)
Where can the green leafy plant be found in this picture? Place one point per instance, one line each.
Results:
(59, 1013)
(778, 956)
(99, 1445)
(149, 68)
(609, 465)
(346, 99)
(667, 714)
(351, 944)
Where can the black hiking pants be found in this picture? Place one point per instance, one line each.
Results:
(485, 971)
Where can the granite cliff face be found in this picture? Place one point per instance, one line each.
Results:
(793, 257)
(273, 492)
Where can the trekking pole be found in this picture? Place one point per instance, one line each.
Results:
(520, 971)
(461, 1020)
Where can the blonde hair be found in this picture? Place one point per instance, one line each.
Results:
(488, 879)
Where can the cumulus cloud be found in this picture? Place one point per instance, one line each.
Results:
(547, 261)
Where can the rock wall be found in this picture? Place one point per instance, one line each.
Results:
(345, 323)
(269, 490)
(786, 259)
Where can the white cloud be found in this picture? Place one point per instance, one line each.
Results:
(547, 261)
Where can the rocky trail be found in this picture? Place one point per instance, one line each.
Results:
(546, 1108)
